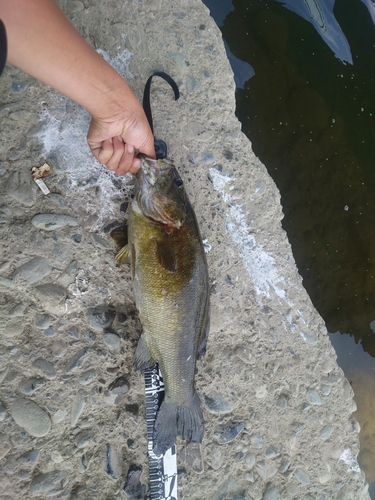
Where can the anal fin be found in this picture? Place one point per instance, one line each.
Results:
(142, 358)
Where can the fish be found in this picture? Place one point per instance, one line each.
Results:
(171, 290)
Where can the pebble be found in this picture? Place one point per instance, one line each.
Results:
(228, 432)
(100, 317)
(265, 469)
(84, 438)
(310, 338)
(87, 377)
(17, 310)
(58, 347)
(5, 445)
(256, 441)
(46, 367)
(285, 464)
(214, 403)
(59, 416)
(42, 321)
(111, 340)
(90, 336)
(31, 417)
(34, 270)
(214, 456)
(13, 329)
(250, 460)
(273, 451)
(52, 222)
(49, 484)
(30, 385)
(3, 411)
(52, 298)
(7, 282)
(192, 456)
(21, 188)
(82, 466)
(29, 458)
(75, 6)
(271, 493)
(50, 332)
(313, 397)
(77, 361)
(302, 476)
(326, 432)
(111, 462)
(78, 405)
(119, 386)
(133, 486)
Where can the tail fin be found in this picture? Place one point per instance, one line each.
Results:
(172, 421)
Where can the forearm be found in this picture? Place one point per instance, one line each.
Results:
(43, 43)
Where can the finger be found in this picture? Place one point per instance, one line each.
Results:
(118, 151)
(127, 161)
(103, 151)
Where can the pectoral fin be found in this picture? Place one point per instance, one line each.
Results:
(123, 257)
(166, 255)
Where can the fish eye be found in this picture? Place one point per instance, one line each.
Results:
(178, 182)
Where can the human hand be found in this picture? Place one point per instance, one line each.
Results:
(115, 141)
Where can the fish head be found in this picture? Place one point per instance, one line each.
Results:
(159, 192)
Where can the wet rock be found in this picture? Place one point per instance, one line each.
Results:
(111, 340)
(29, 458)
(302, 476)
(228, 432)
(214, 403)
(52, 222)
(22, 188)
(49, 484)
(313, 397)
(77, 361)
(45, 367)
(192, 456)
(30, 385)
(84, 438)
(31, 417)
(111, 463)
(100, 317)
(34, 270)
(5, 445)
(133, 486)
(78, 405)
(87, 377)
(52, 298)
(42, 322)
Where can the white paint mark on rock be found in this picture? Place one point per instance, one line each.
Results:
(257, 262)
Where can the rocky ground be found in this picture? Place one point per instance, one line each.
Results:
(278, 408)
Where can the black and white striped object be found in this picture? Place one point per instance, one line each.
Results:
(163, 468)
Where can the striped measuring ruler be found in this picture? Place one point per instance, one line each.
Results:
(163, 468)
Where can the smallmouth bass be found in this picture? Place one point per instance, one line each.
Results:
(170, 284)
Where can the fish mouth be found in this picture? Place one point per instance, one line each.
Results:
(155, 205)
(150, 168)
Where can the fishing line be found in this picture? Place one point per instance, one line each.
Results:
(160, 146)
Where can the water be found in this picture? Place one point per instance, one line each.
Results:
(306, 100)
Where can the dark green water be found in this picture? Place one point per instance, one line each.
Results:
(310, 119)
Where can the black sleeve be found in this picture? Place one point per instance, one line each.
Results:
(3, 46)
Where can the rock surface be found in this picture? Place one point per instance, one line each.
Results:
(277, 407)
